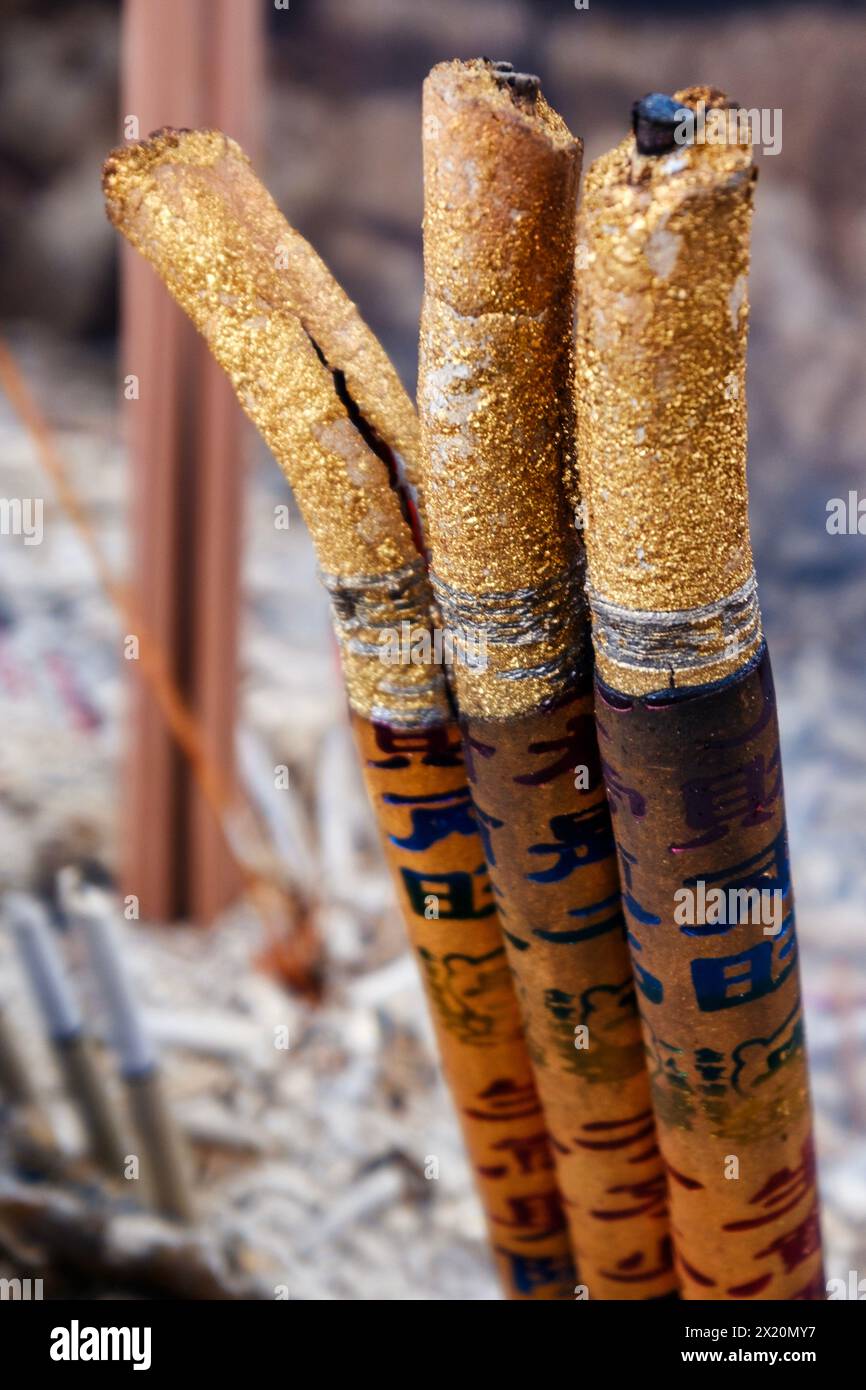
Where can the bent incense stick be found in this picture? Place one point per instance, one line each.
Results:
(685, 704)
(190, 202)
(500, 172)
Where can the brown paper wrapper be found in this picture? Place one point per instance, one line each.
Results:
(537, 784)
(695, 787)
(417, 783)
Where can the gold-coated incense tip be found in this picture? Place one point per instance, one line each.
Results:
(661, 407)
(500, 185)
(310, 376)
(174, 167)
(498, 211)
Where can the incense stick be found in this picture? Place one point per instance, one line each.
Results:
(686, 708)
(318, 388)
(64, 1025)
(16, 1085)
(166, 1165)
(501, 172)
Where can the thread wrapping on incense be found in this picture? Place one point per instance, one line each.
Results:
(685, 702)
(191, 203)
(495, 394)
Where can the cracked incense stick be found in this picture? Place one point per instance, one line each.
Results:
(319, 390)
(500, 173)
(685, 703)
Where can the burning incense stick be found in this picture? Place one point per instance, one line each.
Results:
(501, 173)
(65, 1027)
(309, 375)
(685, 703)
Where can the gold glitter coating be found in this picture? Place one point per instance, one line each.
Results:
(500, 179)
(660, 386)
(191, 204)
(290, 275)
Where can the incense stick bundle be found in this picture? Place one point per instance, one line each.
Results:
(501, 171)
(685, 704)
(327, 402)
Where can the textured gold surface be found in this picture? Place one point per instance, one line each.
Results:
(289, 274)
(190, 203)
(500, 176)
(661, 403)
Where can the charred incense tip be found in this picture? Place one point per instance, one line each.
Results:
(655, 120)
(520, 84)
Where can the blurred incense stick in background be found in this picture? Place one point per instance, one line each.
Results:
(64, 1024)
(312, 379)
(501, 172)
(686, 708)
(16, 1086)
(165, 1166)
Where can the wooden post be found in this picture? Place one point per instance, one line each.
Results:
(199, 63)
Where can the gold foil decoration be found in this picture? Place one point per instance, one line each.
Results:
(500, 172)
(265, 304)
(663, 258)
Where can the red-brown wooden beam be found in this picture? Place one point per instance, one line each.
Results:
(190, 64)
